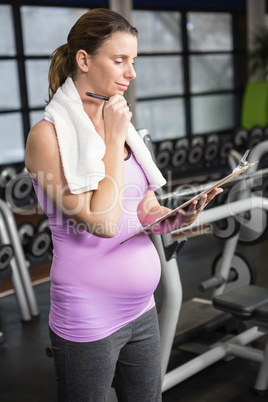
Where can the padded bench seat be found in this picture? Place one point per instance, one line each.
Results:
(244, 302)
(249, 303)
(262, 312)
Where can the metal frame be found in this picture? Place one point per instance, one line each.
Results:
(20, 274)
(217, 352)
(15, 277)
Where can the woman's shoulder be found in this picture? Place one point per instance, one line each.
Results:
(42, 134)
(42, 126)
(41, 142)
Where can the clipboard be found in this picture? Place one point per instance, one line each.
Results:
(242, 166)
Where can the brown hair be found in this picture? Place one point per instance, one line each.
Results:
(89, 33)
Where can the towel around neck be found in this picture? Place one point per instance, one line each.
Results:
(81, 147)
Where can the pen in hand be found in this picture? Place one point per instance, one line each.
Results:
(100, 97)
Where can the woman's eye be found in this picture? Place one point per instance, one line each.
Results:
(118, 61)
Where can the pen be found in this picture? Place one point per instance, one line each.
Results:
(100, 97)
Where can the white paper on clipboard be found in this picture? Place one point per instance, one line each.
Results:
(237, 171)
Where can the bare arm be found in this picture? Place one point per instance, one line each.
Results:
(100, 210)
(150, 210)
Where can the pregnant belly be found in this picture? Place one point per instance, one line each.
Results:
(129, 270)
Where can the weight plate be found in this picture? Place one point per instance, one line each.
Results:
(26, 232)
(166, 145)
(182, 143)
(211, 152)
(245, 272)
(197, 140)
(43, 225)
(225, 149)
(163, 159)
(22, 187)
(213, 139)
(240, 137)
(6, 175)
(40, 244)
(179, 157)
(195, 155)
(226, 228)
(256, 132)
(6, 253)
(253, 226)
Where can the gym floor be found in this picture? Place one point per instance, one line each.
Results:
(27, 374)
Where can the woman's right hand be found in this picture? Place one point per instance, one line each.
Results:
(117, 117)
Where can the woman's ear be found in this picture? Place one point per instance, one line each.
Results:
(82, 60)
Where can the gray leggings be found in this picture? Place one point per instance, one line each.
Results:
(128, 359)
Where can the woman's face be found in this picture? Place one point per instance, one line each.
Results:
(113, 68)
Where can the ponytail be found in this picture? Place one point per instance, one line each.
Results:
(60, 68)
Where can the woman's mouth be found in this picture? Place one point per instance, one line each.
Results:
(122, 86)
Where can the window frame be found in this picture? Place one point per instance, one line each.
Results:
(20, 57)
(238, 54)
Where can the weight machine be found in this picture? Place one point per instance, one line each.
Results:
(171, 307)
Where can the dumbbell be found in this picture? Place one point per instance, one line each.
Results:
(196, 150)
(36, 243)
(255, 136)
(6, 253)
(179, 156)
(240, 137)
(41, 241)
(6, 175)
(26, 232)
(225, 149)
(43, 225)
(39, 244)
(19, 187)
(164, 152)
(212, 147)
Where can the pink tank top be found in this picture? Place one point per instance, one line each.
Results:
(98, 285)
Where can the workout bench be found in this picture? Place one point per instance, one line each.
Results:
(248, 303)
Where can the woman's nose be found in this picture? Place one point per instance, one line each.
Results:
(131, 73)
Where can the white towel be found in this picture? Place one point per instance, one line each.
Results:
(81, 147)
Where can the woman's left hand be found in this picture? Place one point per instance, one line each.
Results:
(185, 217)
(188, 216)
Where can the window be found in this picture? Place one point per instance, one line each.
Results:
(185, 68)
(211, 69)
(28, 35)
(44, 29)
(11, 133)
(187, 80)
(209, 31)
(7, 40)
(159, 67)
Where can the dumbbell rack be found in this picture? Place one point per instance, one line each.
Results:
(20, 276)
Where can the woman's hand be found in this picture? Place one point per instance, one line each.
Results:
(188, 216)
(185, 217)
(117, 117)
